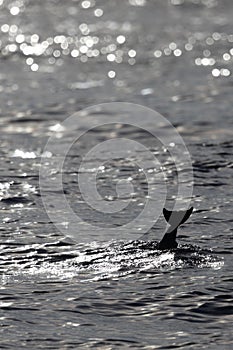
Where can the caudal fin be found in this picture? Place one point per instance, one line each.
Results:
(177, 218)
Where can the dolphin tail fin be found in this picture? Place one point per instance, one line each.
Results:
(175, 219)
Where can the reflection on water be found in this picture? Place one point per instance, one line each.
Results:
(57, 57)
(98, 38)
(100, 261)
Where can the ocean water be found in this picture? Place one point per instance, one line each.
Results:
(95, 289)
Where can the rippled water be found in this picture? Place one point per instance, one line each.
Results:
(57, 57)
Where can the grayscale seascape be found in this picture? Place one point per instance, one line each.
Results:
(58, 57)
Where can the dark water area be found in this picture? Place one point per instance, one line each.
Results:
(56, 58)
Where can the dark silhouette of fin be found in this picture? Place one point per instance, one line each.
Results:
(175, 219)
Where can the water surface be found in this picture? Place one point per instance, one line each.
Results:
(58, 58)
